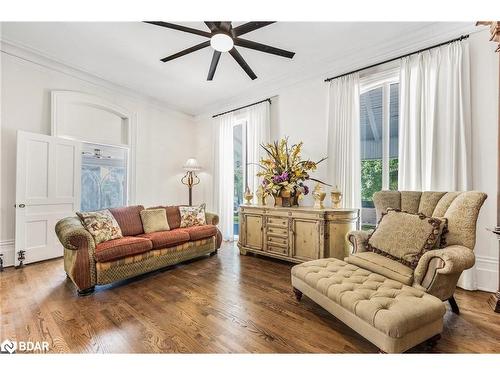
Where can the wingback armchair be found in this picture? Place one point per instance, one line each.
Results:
(438, 270)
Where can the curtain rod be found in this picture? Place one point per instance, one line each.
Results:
(245, 106)
(400, 57)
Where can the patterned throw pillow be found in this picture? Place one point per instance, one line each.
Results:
(102, 225)
(405, 237)
(191, 216)
(154, 220)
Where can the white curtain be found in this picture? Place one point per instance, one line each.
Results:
(435, 120)
(435, 124)
(344, 164)
(258, 132)
(224, 174)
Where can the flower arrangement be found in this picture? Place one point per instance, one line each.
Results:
(284, 171)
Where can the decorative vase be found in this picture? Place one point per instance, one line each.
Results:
(261, 198)
(248, 196)
(286, 199)
(336, 197)
(319, 196)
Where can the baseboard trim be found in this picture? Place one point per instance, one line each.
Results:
(487, 273)
(486, 267)
(7, 248)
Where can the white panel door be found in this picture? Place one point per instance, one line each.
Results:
(47, 190)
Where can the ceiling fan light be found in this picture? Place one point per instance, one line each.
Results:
(221, 42)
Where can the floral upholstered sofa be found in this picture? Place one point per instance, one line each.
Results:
(89, 260)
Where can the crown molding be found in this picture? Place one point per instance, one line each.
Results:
(422, 37)
(37, 57)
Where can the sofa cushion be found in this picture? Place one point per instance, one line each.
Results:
(101, 225)
(383, 266)
(173, 215)
(129, 219)
(201, 231)
(191, 216)
(404, 237)
(167, 238)
(154, 220)
(121, 248)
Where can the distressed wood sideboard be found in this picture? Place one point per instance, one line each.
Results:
(296, 234)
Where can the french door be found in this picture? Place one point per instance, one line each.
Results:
(47, 190)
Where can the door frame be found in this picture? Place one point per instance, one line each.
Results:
(61, 99)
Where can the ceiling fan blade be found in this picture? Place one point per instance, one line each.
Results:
(225, 25)
(213, 65)
(249, 26)
(213, 26)
(239, 59)
(186, 51)
(263, 48)
(180, 28)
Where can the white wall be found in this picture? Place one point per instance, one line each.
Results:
(164, 137)
(300, 112)
(484, 96)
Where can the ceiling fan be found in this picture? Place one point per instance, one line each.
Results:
(223, 38)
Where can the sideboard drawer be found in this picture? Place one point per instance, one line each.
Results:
(277, 221)
(277, 249)
(277, 231)
(277, 240)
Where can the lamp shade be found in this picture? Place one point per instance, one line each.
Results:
(191, 165)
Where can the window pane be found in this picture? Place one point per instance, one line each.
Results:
(238, 173)
(104, 177)
(393, 136)
(371, 120)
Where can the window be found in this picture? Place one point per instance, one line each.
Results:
(239, 147)
(379, 117)
(104, 177)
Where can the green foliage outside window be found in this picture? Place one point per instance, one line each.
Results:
(371, 178)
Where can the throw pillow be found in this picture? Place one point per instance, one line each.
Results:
(191, 216)
(102, 225)
(405, 237)
(154, 220)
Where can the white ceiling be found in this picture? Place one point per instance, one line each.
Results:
(129, 54)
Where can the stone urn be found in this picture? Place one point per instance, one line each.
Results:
(248, 196)
(336, 197)
(319, 196)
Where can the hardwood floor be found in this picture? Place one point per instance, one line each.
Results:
(222, 304)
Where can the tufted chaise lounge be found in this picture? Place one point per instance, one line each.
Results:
(393, 316)
(392, 305)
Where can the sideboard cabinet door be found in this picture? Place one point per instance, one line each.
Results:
(253, 236)
(305, 239)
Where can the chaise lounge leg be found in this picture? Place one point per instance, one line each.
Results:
(213, 253)
(453, 304)
(432, 342)
(298, 294)
(86, 292)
